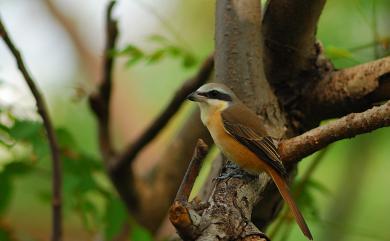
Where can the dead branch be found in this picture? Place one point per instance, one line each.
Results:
(51, 135)
(294, 149)
(201, 150)
(350, 90)
(179, 213)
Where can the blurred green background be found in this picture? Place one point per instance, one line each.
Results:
(161, 44)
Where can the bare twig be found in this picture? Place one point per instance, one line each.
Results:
(179, 213)
(55, 153)
(100, 102)
(161, 121)
(296, 148)
(192, 172)
(350, 90)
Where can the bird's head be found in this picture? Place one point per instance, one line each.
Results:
(213, 96)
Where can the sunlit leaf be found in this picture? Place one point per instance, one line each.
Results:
(335, 52)
(158, 39)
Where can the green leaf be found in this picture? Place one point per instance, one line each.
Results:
(65, 139)
(174, 50)
(140, 234)
(25, 130)
(10, 170)
(335, 52)
(158, 39)
(115, 218)
(133, 53)
(5, 235)
(18, 168)
(189, 60)
(5, 190)
(156, 56)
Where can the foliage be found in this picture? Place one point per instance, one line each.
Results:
(86, 191)
(165, 48)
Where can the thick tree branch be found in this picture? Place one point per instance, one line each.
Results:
(350, 90)
(296, 148)
(54, 149)
(162, 120)
(239, 65)
(290, 53)
(292, 57)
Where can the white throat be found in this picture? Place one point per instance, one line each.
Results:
(210, 108)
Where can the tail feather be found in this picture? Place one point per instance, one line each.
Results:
(284, 191)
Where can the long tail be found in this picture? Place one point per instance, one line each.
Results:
(284, 191)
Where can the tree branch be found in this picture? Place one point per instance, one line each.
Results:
(290, 53)
(179, 213)
(201, 150)
(100, 102)
(55, 153)
(292, 58)
(296, 148)
(350, 90)
(162, 120)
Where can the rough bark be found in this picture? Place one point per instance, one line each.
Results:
(296, 148)
(290, 53)
(350, 90)
(239, 65)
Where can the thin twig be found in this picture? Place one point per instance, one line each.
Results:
(192, 172)
(161, 121)
(55, 153)
(296, 148)
(100, 102)
(179, 212)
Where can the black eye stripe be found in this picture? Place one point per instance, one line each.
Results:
(214, 94)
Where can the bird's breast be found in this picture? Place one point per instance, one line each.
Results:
(234, 150)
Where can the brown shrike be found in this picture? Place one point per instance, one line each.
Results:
(239, 134)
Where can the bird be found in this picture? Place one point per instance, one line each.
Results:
(243, 139)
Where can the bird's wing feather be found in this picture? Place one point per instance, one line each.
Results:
(253, 136)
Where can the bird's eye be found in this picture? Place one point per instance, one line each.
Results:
(213, 94)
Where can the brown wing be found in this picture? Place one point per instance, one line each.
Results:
(251, 134)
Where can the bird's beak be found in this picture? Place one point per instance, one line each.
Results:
(195, 97)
